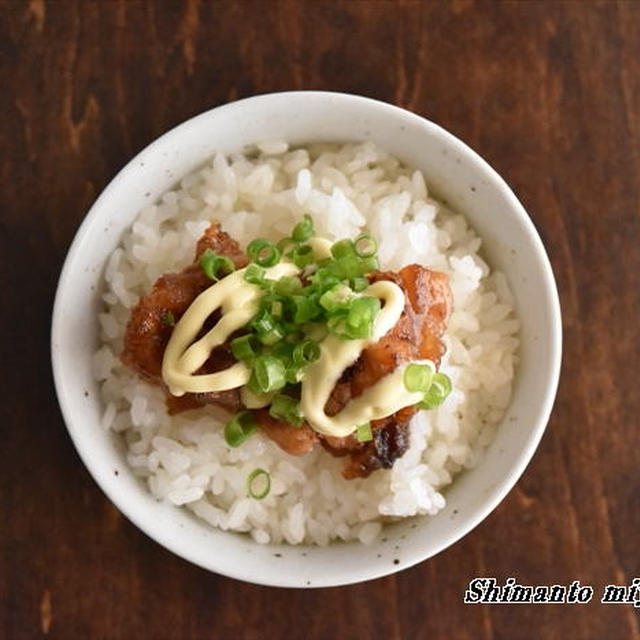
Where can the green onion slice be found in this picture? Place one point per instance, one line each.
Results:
(418, 377)
(362, 313)
(254, 274)
(343, 249)
(352, 266)
(365, 246)
(357, 324)
(359, 283)
(302, 256)
(276, 309)
(284, 244)
(303, 231)
(263, 252)
(283, 350)
(212, 264)
(239, 428)
(364, 433)
(269, 373)
(338, 326)
(263, 322)
(271, 337)
(304, 309)
(286, 408)
(294, 374)
(337, 298)
(368, 264)
(287, 286)
(245, 347)
(258, 484)
(438, 391)
(305, 352)
(443, 384)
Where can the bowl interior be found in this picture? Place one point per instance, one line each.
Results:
(458, 176)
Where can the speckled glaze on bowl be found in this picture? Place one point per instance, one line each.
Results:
(455, 173)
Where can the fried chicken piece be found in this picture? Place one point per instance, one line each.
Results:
(221, 243)
(149, 327)
(294, 440)
(416, 335)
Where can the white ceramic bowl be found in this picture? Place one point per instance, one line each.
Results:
(455, 173)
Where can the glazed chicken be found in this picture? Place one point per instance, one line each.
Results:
(417, 335)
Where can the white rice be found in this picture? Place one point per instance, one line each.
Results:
(184, 458)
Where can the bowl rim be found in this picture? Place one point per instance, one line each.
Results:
(547, 278)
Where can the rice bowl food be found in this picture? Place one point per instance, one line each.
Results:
(347, 190)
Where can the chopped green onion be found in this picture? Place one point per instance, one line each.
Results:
(365, 308)
(212, 264)
(267, 328)
(359, 284)
(363, 432)
(362, 314)
(346, 267)
(245, 347)
(271, 337)
(304, 309)
(343, 249)
(417, 377)
(239, 428)
(269, 373)
(357, 323)
(302, 256)
(303, 230)
(323, 279)
(351, 266)
(287, 286)
(263, 252)
(294, 374)
(368, 264)
(258, 484)
(365, 246)
(305, 352)
(337, 298)
(316, 331)
(443, 384)
(254, 274)
(268, 285)
(338, 326)
(438, 391)
(252, 385)
(360, 332)
(263, 322)
(284, 244)
(168, 319)
(283, 350)
(291, 330)
(325, 298)
(286, 408)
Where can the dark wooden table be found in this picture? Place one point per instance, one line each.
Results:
(548, 92)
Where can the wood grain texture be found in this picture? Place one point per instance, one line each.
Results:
(548, 92)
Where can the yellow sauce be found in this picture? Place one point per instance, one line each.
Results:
(387, 396)
(239, 302)
(382, 399)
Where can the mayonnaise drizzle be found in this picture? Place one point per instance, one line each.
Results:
(239, 302)
(385, 397)
(382, 399)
